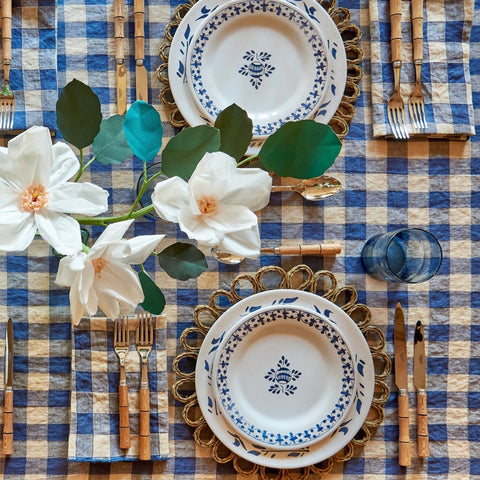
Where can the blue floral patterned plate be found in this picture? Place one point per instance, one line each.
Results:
(266, 56)
(284, 376)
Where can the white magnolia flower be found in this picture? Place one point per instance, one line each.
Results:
(35, 193)
(217, 206)
(103, 277)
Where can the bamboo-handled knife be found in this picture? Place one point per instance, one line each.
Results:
(119, 19)
(141, 78)
(420, 382)
(8, 406)
(401, 380)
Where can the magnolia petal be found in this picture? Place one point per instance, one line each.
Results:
(216, 165)
(135, 250)
(169, 197)
(69, 269)
(81, 198)
(60, 231)
(76, 307)
(65, 164)
(245, 243)
(113, 233)
(196, 229)
(231, 218)
(108, 305)
(9, 198)
(18, 230)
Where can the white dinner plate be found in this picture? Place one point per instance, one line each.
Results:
(266, 56)
(181, 45)
(295, 457)
(284, 376)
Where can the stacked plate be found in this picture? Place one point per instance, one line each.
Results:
(285, 378)
(280, 60)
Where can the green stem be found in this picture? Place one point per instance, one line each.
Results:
(104, 221)
(247, 160)
(145, 184)
(83, 166)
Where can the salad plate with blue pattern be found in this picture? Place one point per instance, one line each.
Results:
(281, 376)
(284, 376)
(279, 76)
(267, 56)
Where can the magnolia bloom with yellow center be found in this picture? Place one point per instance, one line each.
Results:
(103, 277)
(35, 194)
(216, 207)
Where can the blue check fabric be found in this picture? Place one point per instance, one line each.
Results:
(445, 72)
(94, 421)
(433, 184)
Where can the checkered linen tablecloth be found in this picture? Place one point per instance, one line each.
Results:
(445, 71)
(429, 183)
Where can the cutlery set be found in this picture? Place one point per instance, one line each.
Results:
(395, 105)
(7, 98)
(420, 381)
(144, 343)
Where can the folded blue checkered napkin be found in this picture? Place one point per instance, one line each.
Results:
(94, 401)
(445, 72)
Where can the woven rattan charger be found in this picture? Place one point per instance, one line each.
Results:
(351, 36)
(301, 277)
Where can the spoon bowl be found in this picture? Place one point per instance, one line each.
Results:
(313, 189)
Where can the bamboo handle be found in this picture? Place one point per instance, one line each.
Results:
(124, 422)
(396, 30)
(315, 249)
(119, 20)
(422, 425)
(8, 422)
(7, 37)
(404, 430)
(144, 438)
(417, 30)
(139, 18)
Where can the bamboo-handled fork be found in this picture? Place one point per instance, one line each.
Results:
(395, 107)
(121, 344)
(416, 105)
(144, 347)
(7, 99)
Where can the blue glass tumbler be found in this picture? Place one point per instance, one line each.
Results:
(408, 255)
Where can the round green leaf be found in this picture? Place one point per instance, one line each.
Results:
(235, 131)
(110, 145)
(302, 149)
(182, 261)
(154, 301)
(143, 130)
(78, 114)
(186, 149)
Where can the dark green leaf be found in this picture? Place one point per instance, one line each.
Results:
(143, 130)
(110, 145)
(186, 149)
(78, 114)
(303, 149)
(154, 301)
(182, 261)
(235, 131)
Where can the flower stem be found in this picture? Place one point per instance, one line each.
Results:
(83, 166)
(247, 160)
(104, 221)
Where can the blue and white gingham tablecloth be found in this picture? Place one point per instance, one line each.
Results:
(428, 183)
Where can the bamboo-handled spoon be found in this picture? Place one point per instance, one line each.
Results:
(313, 189)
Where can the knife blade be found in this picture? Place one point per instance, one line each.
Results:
(141, 77)
(119, 20)
(401, 380)
(420, 383)
(8, 406)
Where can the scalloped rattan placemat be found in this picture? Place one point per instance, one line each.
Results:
(351, 36)
(301, 277)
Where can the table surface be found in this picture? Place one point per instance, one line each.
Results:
(431, 184)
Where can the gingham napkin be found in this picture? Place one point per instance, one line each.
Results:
(94, 401)
(445, 72)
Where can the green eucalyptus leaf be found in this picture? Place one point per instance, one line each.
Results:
(78, 114)
(143, 130)
(302, 149)
(154, 301)
(235, 131)
(110, 145)
(182, 261)
(183, 152)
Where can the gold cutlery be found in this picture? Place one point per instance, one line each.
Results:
(121, 344)
(8, 406)
(119, 19)
(416, 105)
(420, 382)
(313, 189)
(395, 107)
(141, 78)
(401, 380)
(144, 347)
(7, 99)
